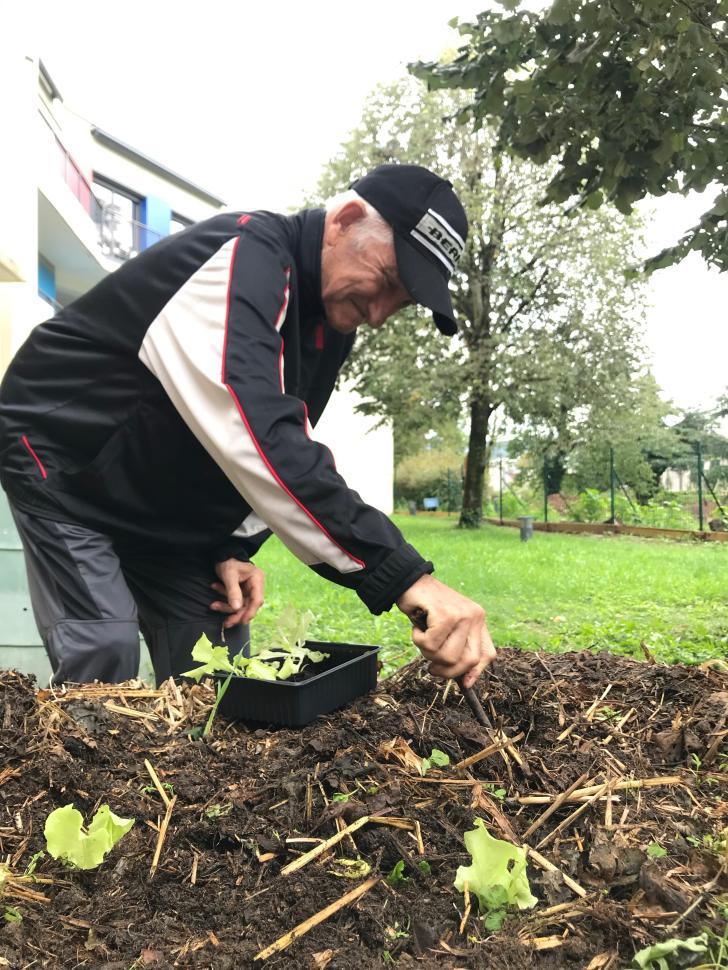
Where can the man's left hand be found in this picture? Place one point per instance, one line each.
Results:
(242, 584)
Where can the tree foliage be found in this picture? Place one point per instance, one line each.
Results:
(628, 95)
(538, 292)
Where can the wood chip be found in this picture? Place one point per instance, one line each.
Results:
(322, 847)
(298, 931)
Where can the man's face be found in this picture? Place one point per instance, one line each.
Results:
(359, 284)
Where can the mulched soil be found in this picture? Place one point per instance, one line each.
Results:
(217, 897)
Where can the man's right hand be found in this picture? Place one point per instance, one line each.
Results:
(457, 642)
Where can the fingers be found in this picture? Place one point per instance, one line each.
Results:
(487, 656)
(253, 589)
(230, 576)
(242, 585)
(457, 647)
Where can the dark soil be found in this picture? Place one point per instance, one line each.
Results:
(218, 897)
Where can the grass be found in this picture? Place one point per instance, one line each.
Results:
(557, 592)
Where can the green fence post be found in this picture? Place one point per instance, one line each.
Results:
(700, 486)
(500, 491)
(611, 484)
(449, 492)
(545, 492)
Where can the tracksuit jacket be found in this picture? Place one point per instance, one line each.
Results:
(170, 408)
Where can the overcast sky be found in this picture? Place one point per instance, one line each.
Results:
(250, 100)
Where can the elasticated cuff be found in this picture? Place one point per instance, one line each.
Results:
(382, 588)
(233, 549)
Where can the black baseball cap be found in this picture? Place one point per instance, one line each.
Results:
(430, 228)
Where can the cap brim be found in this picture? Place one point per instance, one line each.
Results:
(426, 285)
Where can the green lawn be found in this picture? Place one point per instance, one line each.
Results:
(559, 592)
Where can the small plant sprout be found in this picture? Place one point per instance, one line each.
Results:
(397, 876)
(656, 851)
(33, 864)
(655, 957)
(219, 811)
(68, 840)
(12, 915)
(497, 875)
(152, 789)
(437, 759)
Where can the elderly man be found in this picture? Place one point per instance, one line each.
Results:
(156, 431)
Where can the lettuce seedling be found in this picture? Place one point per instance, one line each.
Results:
(655, 957)
(437, 758)
(282, 659)
(66, 838)
(286, 657)
(397, 875)
(497, 875)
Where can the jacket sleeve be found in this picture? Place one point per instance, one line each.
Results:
(216, 348)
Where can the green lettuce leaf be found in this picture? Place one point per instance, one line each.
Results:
(654, 957)
(281, 661)
(489, 875)
(214, 660)
(65, 838)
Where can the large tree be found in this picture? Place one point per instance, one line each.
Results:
(629, 95)
(534, 284)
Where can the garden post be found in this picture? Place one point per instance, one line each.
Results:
(500, 490)
(700, 486)
(611, 484)
(545, 492)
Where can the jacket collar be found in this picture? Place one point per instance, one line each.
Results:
(307, 253)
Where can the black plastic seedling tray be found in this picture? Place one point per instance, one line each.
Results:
(349, 672)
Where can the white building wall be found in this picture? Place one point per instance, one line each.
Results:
(18, 197)
(364, 454)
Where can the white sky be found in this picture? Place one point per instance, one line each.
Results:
(250, 100)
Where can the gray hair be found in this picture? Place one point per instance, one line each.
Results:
(373, 228)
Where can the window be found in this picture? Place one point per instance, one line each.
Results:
(47, 281)
(119, 218)
(177, 223)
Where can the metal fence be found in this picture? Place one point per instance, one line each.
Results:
(692, 497)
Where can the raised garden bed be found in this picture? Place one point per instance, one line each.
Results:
(640, 863)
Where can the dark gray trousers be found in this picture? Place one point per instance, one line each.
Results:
(90, 601)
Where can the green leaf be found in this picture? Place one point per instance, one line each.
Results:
(279, 662)
(260, 670)
(65, 838)
(654, 956)
(397, 875)
(656, 851)
(11, 914)
(494, 920)
(490, 869)
(560, 12)
(424, 866)
(213, 660)
(720, 207)
(594, 200)
(439, 758)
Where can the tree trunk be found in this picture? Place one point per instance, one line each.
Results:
(554, 470)
(471, 516)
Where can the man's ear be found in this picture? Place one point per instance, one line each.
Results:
(348, 215)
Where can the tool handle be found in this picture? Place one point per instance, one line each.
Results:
(418, 617)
